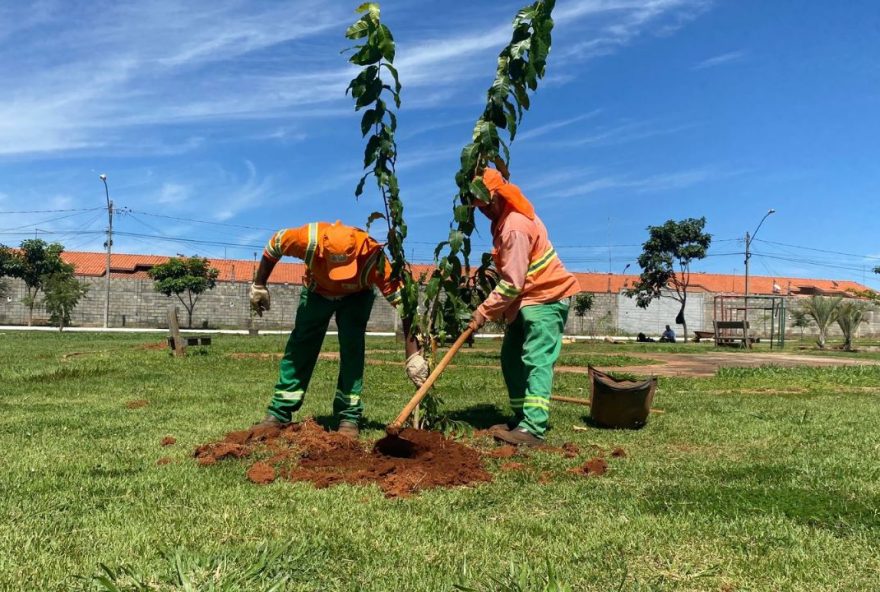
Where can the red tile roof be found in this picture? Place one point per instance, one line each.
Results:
(242, 270)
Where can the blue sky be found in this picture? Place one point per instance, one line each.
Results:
(233, 112)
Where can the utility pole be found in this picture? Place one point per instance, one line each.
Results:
(746, 305)
(103, 178)
(749, 240)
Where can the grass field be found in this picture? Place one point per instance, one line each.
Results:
(763, 479)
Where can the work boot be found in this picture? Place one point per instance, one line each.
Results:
(517, 437)
(349, 428)
(270, 421)
(502, 427)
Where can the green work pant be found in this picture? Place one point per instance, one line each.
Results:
(530, 349)
(301, 354)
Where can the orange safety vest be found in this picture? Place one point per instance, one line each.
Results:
(304, 243)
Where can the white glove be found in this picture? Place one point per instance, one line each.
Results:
(259, 297)
(417, 369)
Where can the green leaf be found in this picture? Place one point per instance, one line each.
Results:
(372, 8)
(463, 213)
(359, 29)
(368, 54)
(373, 217)
(385, 42)
(480, 192)
(394, 74)
(368, 120)
(360, 186)
(371, 93)
(456, 239)
(370, 153)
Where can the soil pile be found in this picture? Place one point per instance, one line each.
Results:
(137, 404)
(596, 466)
(400, 466)
(169, 441)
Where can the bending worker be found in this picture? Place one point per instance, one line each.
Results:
(533, 297)
(343, 264)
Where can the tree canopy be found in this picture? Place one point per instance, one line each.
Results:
(666, 262)
(33, 262)
(184, 277)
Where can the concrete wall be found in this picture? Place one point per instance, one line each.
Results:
(134, 303)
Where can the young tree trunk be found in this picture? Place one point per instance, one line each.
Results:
(32, 301)
(821, 340)
(684, 323)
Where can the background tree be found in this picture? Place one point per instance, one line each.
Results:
(666, 263)
(186, 278)
(582, 303)
(5, 262)
(850, 315)
(62, 293)
(823, 311)
(800, 320)
(33, 262)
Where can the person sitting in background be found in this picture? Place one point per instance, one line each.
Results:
(642, 338)
(668, 336)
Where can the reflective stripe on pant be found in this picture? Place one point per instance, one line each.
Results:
(301, 354)
(530, 349)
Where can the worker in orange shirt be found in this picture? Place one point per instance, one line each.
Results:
(533, 297)
(343, 265)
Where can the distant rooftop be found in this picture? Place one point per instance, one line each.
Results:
(135, 266)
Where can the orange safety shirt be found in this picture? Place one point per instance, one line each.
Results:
(304, 243)
(530, 270)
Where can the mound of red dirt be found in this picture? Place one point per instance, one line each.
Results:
(137, 403)
(400, 466)
(169, 441)
(595, 466)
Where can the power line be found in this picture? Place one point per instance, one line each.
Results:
(49, 211)
(817, 250)
(202, 221)
(78, 213)
(858, 269)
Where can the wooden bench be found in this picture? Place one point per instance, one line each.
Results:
(728, 338)
(194, 341)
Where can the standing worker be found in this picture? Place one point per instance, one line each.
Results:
(343, 264)
(533, 297)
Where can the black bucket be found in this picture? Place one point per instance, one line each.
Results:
(620, 403)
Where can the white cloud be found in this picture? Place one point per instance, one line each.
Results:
(724, 58)
(555, 125)
(612, 24)
(94, 76)
(251, 193)
(587, 184)
(173, 193)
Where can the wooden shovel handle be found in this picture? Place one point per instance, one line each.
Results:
(395, 425)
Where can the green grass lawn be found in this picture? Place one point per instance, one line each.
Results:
(734, 487)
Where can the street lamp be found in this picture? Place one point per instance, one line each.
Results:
(749, 240)
(103, 178)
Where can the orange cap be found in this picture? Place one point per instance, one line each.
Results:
(339, 250)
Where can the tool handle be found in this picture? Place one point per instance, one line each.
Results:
(423, 390)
